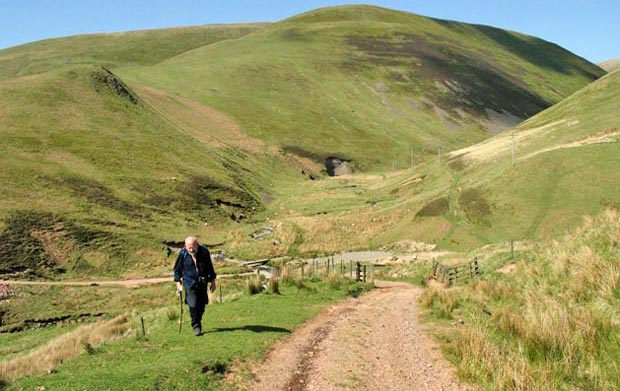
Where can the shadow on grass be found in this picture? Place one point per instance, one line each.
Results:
(253, 328)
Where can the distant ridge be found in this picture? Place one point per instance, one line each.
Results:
(116, 143)
(358, 79)
(610, 65)
(145, 47)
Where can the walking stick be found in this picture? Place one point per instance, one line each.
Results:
(180, 294)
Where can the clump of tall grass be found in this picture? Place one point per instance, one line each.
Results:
(298, 281)
(286, 275)
(254, 284)
(552, 323)
(274, 285)
(443, 300)
(64, 347)
(289, 276)
(334, 280)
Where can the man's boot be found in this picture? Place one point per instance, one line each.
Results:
(195, 322)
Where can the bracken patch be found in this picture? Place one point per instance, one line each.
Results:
(434, 208)
(25, 247)
(476, 207)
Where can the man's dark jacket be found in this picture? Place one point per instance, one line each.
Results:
(184, 267)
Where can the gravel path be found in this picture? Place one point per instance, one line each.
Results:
(371, 343)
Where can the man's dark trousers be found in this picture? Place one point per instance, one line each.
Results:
(196, 299)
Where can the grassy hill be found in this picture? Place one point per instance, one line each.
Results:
(566, 159)
(144, 47)
(366, 83)
(610, 65)
(548, 320)
(565, 168)
(94, 179)
(225, 124)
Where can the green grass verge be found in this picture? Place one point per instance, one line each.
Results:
(237, 330)
(549, 323)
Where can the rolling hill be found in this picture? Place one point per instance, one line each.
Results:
(144, 47)
(566, 160)
(565, 168)
(363, 83)
(610, 65)
(115, 143)
(88, 168)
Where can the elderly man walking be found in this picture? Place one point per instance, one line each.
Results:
(194, 270)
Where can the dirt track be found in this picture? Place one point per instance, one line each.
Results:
(128, 283)
(371, 343)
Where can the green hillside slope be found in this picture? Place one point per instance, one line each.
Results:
(566, 161)
(552, 313)
(145, 47)
(98, 170)
(94, 179)
(366, 83)
(566, 166)
(610, 65)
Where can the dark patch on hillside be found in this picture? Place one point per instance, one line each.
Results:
(204, 192)
(434, 208)
(472, 82)
(25, 242)
(200, 195)
(296, 150)
(534, 50)
(457, 164)
(33, 324)
(99, 194)
(294, 34)
(477, 209)
(105, 80)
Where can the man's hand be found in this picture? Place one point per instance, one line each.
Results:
(179, 288)
(213, 286)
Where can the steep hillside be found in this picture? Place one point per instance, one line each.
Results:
(94, 180)
(566, 161)
(145, 47)
(99, 166)
(552, 313)
(366, 84)
(610, 65)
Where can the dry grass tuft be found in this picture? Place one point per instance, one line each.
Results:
(553, 323)
(443, 299)
(64, 347)
(274, 285)
(334, 280)
(254, 285)
(286, 275)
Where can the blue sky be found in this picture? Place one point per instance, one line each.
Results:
(589, 28)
